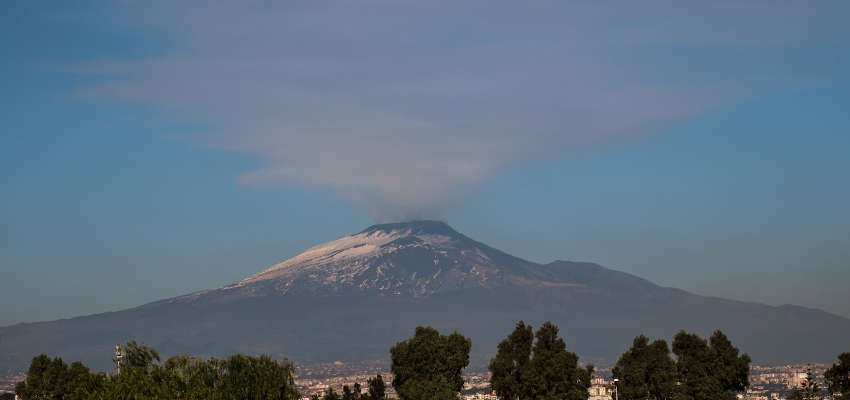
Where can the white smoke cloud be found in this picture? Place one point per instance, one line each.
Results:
(404, 107)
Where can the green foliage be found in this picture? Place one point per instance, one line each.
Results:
(554, 371)
(53, 379)
(809, 390)
(646, 371)
(139, 355)
(83, 383)
(709, 370)
(838, 376)
(538, 370)
(7, 396)
(248, 378)
(142, 377)
(428, 366)
(46, 379)
(377, 388)
(509, 366)
(347, 394)
(329, 394)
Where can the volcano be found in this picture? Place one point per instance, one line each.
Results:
(353, 298)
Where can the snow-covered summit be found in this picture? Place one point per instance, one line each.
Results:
(370, 242)
(422, 227)
(418, 258)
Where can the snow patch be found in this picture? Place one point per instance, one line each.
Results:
(345, 250)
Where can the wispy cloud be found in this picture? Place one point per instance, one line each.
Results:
(404, 107)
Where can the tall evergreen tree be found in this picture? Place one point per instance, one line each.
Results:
(541, 370)
(709, 370)
(732, 369)
(377, 388)
(553, 371)
(347, 394)
(809, 389)
(46, 379)
(428, 366)
(837, 377)
(511, 362)
(646, 371)
(82, 384)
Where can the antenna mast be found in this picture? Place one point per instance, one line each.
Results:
(119, 355)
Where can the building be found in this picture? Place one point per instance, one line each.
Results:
(480, 396)
(600, 389)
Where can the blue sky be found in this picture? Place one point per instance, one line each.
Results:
(153, 149)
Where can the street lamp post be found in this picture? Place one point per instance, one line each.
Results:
(615, 388)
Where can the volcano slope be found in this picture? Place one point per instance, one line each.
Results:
(353, 298)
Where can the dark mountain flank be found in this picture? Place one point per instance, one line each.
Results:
(352, 298)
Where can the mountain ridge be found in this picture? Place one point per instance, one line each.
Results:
(352, 298)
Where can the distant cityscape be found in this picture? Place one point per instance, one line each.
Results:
(774, 382)
(766, 382)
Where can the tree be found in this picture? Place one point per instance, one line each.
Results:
(541, 370)
(81, 383)
(248, 378)
(377, 388)
(46, 379)
(511, 362)
(141, 377)
(139, 355)
(193, 378)
(328, 395)
(428, 366)
(837, 377)
(553, 371)
(646, 371)
(809, 390)
(732, 369)
(709, 370)
(347, 394)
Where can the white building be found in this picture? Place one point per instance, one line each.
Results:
(480, 396)
(600, 389)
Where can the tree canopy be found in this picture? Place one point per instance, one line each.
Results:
(142, 376)
(709, 370)
(377, 388)
(139, 355)
(329, 394)
(809, 388)
(646, 371)
(509, 369)
(46, 379)
(541, 369)
(837, 377)
(428, 366)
